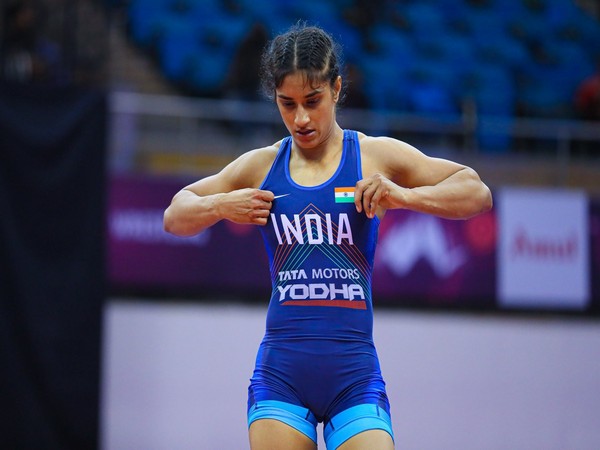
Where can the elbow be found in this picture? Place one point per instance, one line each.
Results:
(168, 223)
(487, 201)
(490, 200)
(483, 194)
(483, 204)
(481, 198)
(173, 222)
(176, 225)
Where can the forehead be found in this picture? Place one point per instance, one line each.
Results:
(299, 83)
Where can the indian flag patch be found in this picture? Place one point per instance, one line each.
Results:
(344, 194)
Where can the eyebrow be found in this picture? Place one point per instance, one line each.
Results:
(310, 94)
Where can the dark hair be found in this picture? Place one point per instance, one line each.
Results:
(308, 49)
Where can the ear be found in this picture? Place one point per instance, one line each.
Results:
(337, 87)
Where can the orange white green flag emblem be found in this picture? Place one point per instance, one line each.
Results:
(344, 194)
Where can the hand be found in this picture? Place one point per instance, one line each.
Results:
(247, 206)
(376, 192)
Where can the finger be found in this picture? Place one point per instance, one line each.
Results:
(259, 213)
(358, 195)
(259, 217)
(266, 195)
(374, 203)
(358, 200)
(261, 203)
(380, 195)
(368, 199)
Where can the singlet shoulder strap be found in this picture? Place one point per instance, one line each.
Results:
(279, 158)
(352, 147)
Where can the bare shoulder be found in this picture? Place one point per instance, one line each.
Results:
(386, 155)
(383, 145)
(246, 171)
(257, 157)
(250, 169)
(402, 162)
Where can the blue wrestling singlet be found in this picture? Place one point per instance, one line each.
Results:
(317, 361)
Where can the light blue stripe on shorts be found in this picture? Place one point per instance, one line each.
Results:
(295, 416)
(354, 420)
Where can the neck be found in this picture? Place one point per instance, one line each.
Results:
(329, 147)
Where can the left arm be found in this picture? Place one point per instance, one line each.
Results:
(397, 175)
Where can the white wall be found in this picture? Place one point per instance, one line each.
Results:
(175, 376)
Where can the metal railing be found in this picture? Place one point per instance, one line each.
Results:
(219, 129)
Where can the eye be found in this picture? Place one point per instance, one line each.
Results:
(286, 104)
(313, 101)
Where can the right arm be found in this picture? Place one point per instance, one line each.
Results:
(231, 194)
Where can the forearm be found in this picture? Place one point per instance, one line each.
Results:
(460, 196)
(189, 214)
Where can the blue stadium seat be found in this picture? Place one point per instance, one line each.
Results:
(430, 98)
(507, 8)
(458, 50)
(547, 89)
(424, 17)
(225, 32)
(143, 17)
(573, 55)
(529, 26)
(434, 71)
(389, 92)
(208, 69)
(390, 41)
(177, 43)
(494, 102)
(481, 23)
(502, 49)
(312, 10)
(482, 75)
(542, 99)
(349, 37)
(588, 30)
(493, 89)
(450, 50)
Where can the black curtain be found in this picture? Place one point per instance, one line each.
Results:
(52, 283)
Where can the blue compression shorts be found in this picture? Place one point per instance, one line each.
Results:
(338, 430)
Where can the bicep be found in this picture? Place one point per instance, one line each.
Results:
(212, 184)
(247, 171)
(407, 166)
(429, 171)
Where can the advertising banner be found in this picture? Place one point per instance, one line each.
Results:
(595, 254)
(226, 259)
(425, 260)
(543, 252)
(420, 259)
(535, 249)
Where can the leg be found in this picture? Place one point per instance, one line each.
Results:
(276, 425)
(271, 434)
(360, 427)
(379, 439)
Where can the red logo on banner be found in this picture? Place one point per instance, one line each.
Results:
(544, 248)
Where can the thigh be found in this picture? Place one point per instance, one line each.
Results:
(271, 434)
(379, 439)
(360, 427)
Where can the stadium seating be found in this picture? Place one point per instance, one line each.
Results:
(511, 57)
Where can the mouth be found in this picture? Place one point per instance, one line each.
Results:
(305, 133)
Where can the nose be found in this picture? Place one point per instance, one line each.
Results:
(301, 117)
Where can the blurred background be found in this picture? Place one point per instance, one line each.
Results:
(115, 335)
